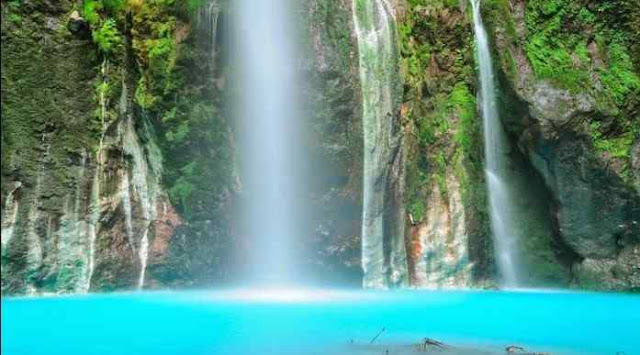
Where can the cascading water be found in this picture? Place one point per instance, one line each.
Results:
(383, 252)
(142, 186)
(495, 146)
(267, 131)
(207, 20)
(11, 206)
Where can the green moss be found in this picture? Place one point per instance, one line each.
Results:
(335, 23)
(619, 79)
(558, 44)
(556, 33)
(497, 13)
(552, 59)
(446, 134)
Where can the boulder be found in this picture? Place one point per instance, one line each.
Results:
(78, 26)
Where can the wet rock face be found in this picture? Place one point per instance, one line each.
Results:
(635, 164)
(620, 273)
(78, 26)
(592, 207)
(69, 221)
(330, 92)
(439, 244)
(561, 131)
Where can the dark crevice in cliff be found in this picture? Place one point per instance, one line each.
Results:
(546, 260)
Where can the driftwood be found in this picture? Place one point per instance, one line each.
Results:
(377, 335)
(426, 342)
(513, 349)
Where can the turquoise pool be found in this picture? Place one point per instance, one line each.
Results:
(273, 321)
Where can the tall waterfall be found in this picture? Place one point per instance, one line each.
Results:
(383, 252)
(495, 146)
(268, 128)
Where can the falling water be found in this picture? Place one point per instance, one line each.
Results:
(94, 210)
(94, 206)
(144, 184)
(268, 129)
(207, 20)
(379, 79)
(10, 216)
(504, 232)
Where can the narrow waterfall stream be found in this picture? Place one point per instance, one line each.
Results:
(495, 146)
(378, 55)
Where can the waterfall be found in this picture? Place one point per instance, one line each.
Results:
(145, 186)
(94, 210)
(125, 196)
(495, 146)
(94, 206)
(381, 89)
(268, 129)
(144, 183)
(10, 217)
(207, 21)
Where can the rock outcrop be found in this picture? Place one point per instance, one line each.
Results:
(83, 205)
(578, 138)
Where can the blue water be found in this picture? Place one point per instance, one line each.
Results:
(318, 322)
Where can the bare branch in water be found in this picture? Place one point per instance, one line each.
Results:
(377, 335)
(432, 342)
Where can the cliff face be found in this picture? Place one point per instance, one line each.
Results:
(568, 99)
(332, 96)
(83, 207)
(93, 97)
(575, 116)
(118, 153)
(448, 242)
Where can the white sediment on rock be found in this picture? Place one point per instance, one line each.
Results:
(443, 261)
(144, 186)
(379, 80)
(9, 215)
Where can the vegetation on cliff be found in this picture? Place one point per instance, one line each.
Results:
(444, 134)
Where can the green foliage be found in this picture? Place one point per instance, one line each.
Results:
(15, 18)
(143, 96)
(104, 89)
(335, 23)
(464, 103)
(91, 12)
(586, 16)
(619, 79)
(616, 146)
(193, 5)
(113, 6)
(495, 13)
(551, 59)
(557, 48)
(437, 62)
(107, 37)
(183, 186)
(417, 209)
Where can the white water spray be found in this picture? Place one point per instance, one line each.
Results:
(268, 129)
(495, 146)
